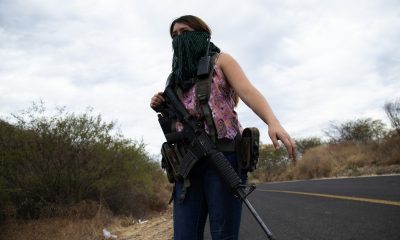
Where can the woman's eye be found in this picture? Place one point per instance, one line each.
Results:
(174, 34)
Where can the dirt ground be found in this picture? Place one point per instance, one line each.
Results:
(155, 228)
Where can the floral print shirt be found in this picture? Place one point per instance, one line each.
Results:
(222, 106)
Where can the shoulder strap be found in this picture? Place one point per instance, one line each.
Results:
(203, 90)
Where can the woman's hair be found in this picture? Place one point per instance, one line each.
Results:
(192, 21)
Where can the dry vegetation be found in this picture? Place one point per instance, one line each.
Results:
(87, 221)
(156, 227)
(66, 176)
(338, 160)
(126, 185)
(82, 221)
(54, 228)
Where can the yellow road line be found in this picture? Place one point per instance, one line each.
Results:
(379, 201)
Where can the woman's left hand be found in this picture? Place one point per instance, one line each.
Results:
(276, 132)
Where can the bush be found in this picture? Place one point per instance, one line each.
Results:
(313, 164)
(270, 162)
(66, 158)
(359, 147)
(359, 131)
(344, 159)
(388, 152)
(307, 143)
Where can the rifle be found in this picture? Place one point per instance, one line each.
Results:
(199, 146)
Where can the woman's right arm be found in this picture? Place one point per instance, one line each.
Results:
(156, 100)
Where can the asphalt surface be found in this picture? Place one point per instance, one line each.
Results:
(346, 209)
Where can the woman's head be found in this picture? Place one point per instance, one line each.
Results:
(189, 48)
(188, 23)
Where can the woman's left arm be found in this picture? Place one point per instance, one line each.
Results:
(256, 101)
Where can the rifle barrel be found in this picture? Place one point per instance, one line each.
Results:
(258, 218)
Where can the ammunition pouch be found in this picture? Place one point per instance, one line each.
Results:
(170, 162)
(248, 149)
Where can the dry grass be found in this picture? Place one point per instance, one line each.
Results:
(158, 226)
(86, 220)
(80, 221)
(55, 228)
(331, 160)
(347, 159)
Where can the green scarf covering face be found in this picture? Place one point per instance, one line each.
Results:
(189, 47)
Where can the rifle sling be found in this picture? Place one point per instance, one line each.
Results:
(203, 91)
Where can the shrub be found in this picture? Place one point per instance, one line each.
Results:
(388, 152)
(314, 164)
(307, 143)
(66, 158)
(360, 131)
(270, 162)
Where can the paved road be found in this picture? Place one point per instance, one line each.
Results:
(346, 209)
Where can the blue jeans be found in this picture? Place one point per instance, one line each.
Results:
(207, 195)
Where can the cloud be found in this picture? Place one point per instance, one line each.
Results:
(314, 61)
(329, 68)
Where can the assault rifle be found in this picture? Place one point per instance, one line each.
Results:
(200, 145)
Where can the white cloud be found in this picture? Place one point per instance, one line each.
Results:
(315, 61)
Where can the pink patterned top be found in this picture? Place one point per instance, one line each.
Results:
(222, 106)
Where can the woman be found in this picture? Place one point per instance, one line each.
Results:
(207, 195)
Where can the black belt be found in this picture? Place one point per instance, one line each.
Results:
(225, 144)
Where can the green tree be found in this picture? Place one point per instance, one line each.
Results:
(272, 159)
(359, 131)
(64, 158)
(307, 143)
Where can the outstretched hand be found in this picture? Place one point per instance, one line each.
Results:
(276, 132)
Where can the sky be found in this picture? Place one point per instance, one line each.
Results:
(316, 62)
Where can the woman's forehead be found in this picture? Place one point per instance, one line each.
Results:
(178, 26)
